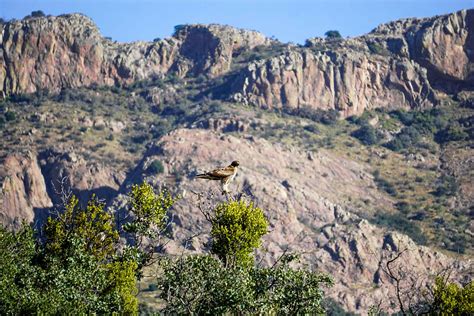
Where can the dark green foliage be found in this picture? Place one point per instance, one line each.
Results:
(311, 128)
(10, 116)
(327, 117)
(454, 132)
(333, 34)
(203, 285)
(408, 137)
(438, 124)
(178, 28)
(155, 167)
(77, 268)
(402, 224)
(446, 185)
(368, 135)
(37, 14)
(376, 48)
(231, 283)
(38, 279)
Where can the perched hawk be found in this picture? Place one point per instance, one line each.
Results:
(224, 175)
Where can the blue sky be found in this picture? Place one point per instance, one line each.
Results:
(287, 20)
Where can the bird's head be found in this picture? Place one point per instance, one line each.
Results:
(234, 163)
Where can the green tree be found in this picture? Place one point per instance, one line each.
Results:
(237, 229)
(368, 135)
(204, 285)
(37, 14)
(232, 283)
(77, 267)
(452, 299)
(333, 34)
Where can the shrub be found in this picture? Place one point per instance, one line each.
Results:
(454, 132)
(384, 184)
(10, 116)
(400, 223)
(37, 14)
(375, 48)
(155, 167)
(368, 135)
(446, 185)
(452, 299)
(237, 228)
(408, 137)
(327, 117)
(333, 34)
(204, 285)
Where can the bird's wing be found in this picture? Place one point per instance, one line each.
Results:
(222, 172)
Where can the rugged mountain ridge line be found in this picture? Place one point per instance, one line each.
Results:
(398, 65)
(51, 53)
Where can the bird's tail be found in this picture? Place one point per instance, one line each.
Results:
(207, 176)
(203, 176)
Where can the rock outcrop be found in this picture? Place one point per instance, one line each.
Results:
(397, 65)
(23, 190)
(31, 184)
(444, 45)
(50, 53)
(348, 82)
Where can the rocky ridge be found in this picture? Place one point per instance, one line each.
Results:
(51, 53)
(399, 65)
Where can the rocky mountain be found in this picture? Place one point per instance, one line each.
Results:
(393, 66)
(85, 114)
(52, 53)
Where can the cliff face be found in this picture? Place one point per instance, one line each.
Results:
(443, 45)
(396, 65)
(31, 183)
(68, 51)
(347, 82)
(23, 189)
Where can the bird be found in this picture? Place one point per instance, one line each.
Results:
(224, 175)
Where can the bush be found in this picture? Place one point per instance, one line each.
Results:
(376, 48)
(76, 267)
(237, 228)
(10, 116)
(74, 270)
(368, 135)
(155, 167)
(204, 285)
(38, 14)
(384, 184)
(327, 117)
(454, 132)
(408, 137)
(452, 299)
(446, 185)
(400, 223)
(333, 34)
